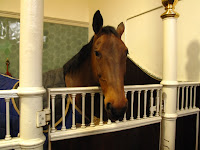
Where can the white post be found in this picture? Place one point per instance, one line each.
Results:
(8, 137)
(63, 113)
(151, 104)
(186, 103)
(182, 100)
(132, 102)
(194, 98)
(190, 107)
(92, 110)
(101, 109)
(145, 104)
(138, 115)
(168, 125)
(83, 111)
(157, 102)
(73, 111)
(178, 96)
(53, 129)
(30, 73)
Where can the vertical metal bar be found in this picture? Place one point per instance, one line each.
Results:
(138, 115)
(194, 98)
(145, 104)
(125, 112)
(157, 102)
(63, 113)
(83, 111)
(178, 95)
(132, 102)
(161, 103)
(53, 129)
(186, 103)
(49, 99)
(151, 110)
(73, 112)
(8, 137)
(182, 102)
(190, 107)
(101, 109)
(92, 110)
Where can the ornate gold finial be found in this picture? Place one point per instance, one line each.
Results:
(169, 7)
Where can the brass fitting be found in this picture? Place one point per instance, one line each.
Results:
(169, 7)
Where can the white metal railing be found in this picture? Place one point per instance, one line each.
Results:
(149, 108)
(142, 92)
(186, 103)
(9, 142)
(186, 98)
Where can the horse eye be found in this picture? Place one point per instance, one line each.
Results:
(97, 53)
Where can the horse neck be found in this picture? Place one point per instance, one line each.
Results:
(86, 74)
(82, 77)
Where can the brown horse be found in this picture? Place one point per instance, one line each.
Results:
(101, 62)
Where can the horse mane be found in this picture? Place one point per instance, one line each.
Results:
(75, 62)
(109, 30)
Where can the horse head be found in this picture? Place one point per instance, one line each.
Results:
(108, 56)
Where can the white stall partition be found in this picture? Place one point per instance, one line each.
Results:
(153, 115)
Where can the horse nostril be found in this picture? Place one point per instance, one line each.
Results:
(99, 75)
(109, 106)
(115, 113)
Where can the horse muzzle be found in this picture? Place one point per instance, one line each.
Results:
(116, 113)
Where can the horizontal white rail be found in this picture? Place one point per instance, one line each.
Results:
(9, 142)
(146, 94)
(14, 143)
(9, 93)
(188, 83)
(186, 98)
(113, 127)
(96, 89)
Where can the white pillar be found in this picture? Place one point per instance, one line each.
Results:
(168, 125)
(30, 73)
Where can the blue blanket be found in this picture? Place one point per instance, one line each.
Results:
(7, 83)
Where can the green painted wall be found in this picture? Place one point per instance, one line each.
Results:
(61, 42)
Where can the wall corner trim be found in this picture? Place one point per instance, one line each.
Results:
(47, 19)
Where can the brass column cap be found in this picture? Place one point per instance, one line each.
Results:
(169, 7)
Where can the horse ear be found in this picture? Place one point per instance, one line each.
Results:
(97, 22)
(120, 29)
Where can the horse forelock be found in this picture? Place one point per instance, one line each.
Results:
(109, 30)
